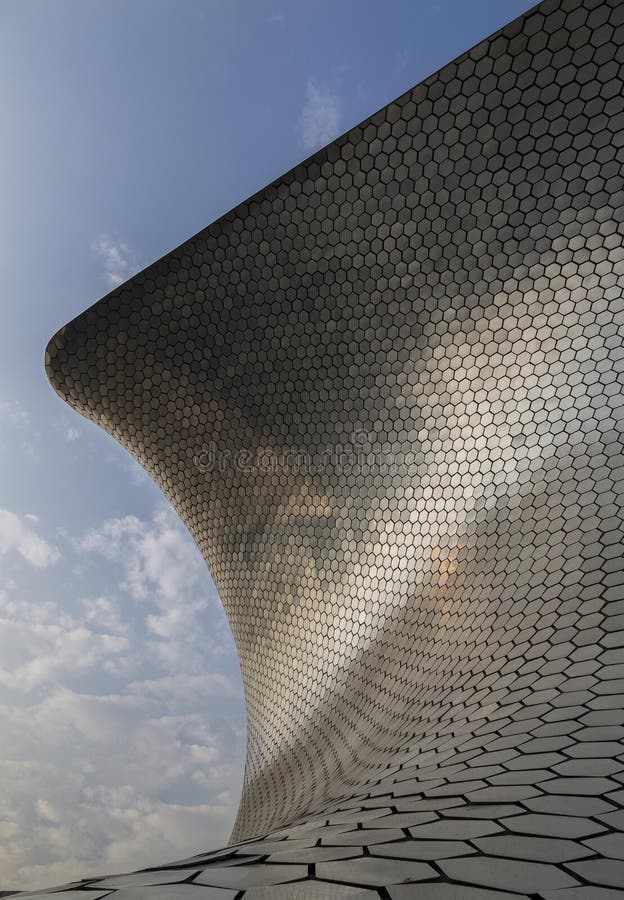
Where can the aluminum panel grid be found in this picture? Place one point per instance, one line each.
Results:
(385, 396)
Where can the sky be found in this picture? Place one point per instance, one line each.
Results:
(126, 127)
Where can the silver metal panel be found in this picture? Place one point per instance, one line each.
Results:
(385, 396)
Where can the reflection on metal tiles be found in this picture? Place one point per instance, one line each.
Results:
(385, 396)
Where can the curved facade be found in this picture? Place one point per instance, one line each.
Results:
(385, 396)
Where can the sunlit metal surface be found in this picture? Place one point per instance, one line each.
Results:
(384, 395)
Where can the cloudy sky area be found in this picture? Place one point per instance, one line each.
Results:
(128, 125)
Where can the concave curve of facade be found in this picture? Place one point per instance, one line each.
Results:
(385, 396)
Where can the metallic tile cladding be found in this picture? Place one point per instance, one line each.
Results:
(385, 396)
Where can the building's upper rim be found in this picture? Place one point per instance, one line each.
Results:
(293, 174)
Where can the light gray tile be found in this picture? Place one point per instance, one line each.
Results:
(506, 874)
(371, 871)
(241, 877)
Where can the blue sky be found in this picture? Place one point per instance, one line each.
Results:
(128, 125)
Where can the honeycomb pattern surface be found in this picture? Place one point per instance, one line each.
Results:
(385, 396)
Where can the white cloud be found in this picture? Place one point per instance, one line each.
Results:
(17, 536)
(71, 432)
(138, 475)
(16, 431)
(13, 414)
(320, 117)
(104, 614)
(164, 572)
(116, 258)
(109, 539)
(53, 652)
(46, 811)
(97, 800)
(179, 689)
(122, 738)
(167, 562)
